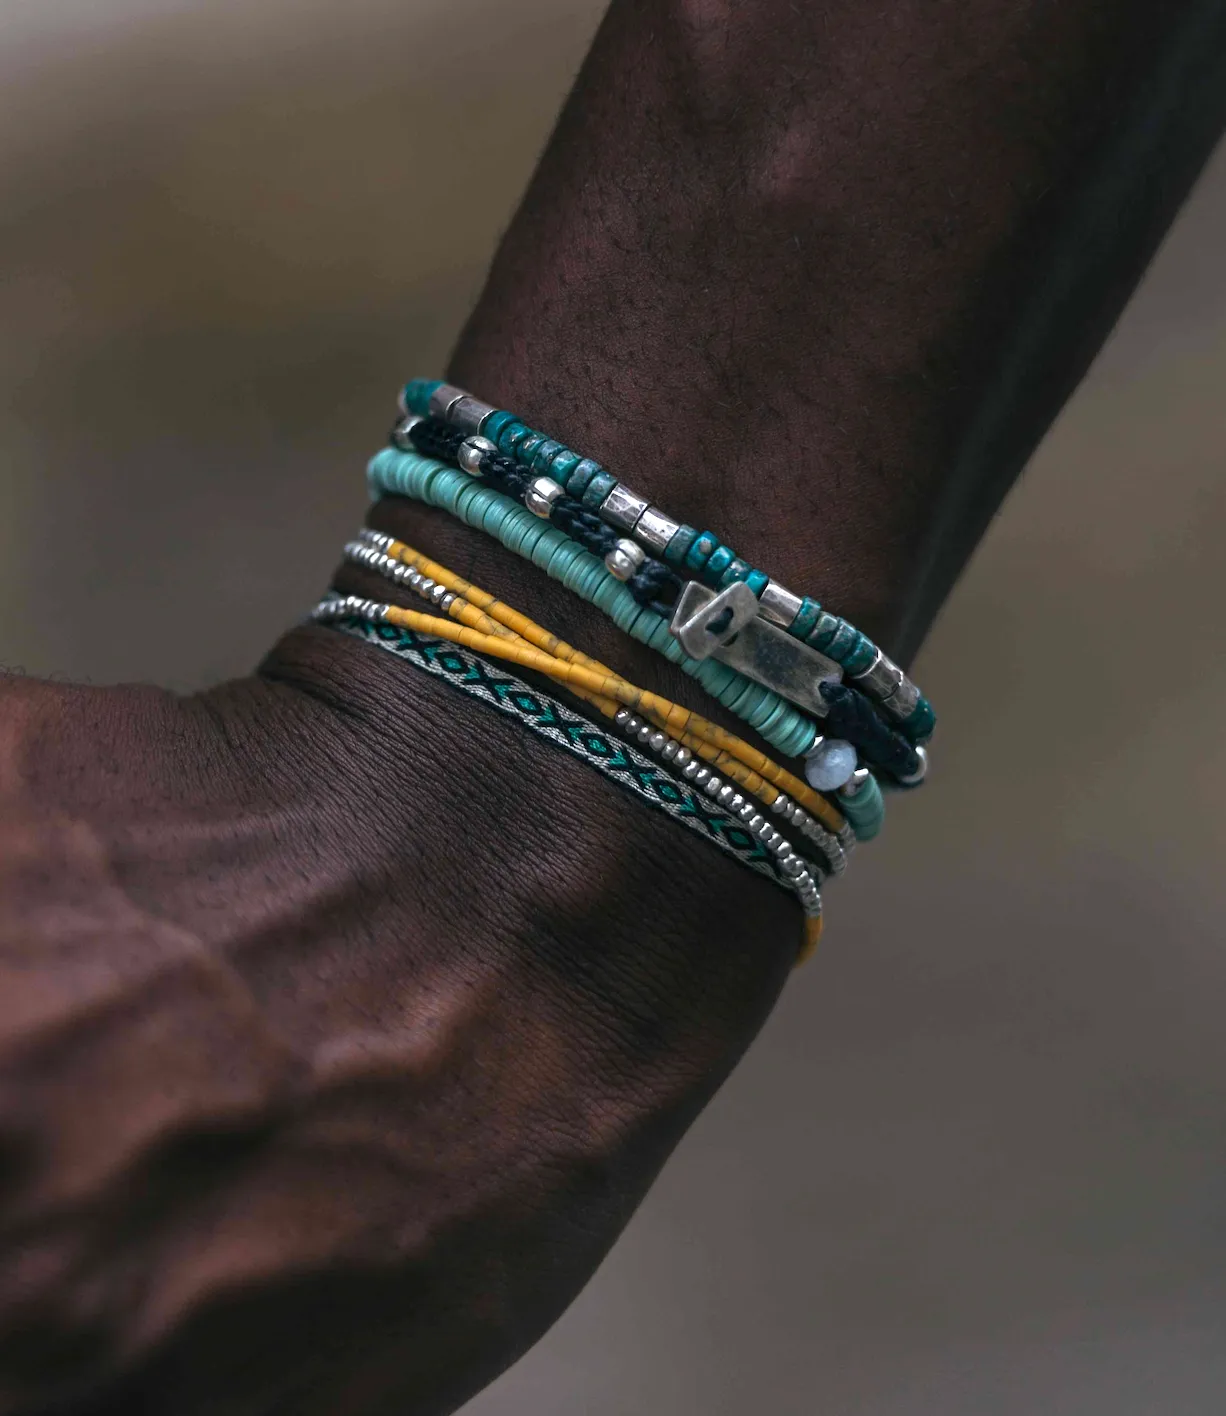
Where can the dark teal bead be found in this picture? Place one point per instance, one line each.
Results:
(510, 438)
(598, 488)
(806, 618)
(823, 634)
(417, 394)
(718, 561)
(527, 447)
(843, 641)
(563, 464)
(544, 454)
(861, 657)
(738, 570)
(585, 470)
(495, 423)
(920, 724)
(678, 548)
(701, 550)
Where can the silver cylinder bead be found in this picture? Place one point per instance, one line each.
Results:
(469, 413)
(779, 606)
(655, 530)
(622, 508)
(444, 397)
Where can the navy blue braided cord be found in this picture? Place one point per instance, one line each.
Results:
(549, 719)
(851, 716)
(653, 584)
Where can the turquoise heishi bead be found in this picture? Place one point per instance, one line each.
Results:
(719, 561)
(722, 576)
(701, 551)
(585, 470)
(527, 446)
(563, 464)
(495, 423)
(861, 657)
(510, 437)
(757, 580)
(544, 454)
(417, 395)
(679, 547)
(806, 618)
(598, 488)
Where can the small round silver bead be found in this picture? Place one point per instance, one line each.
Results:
(437, 593)
(621, 717)
(702, 776)
(725, 796)
(447, 601)
(920, 773)
(684, 757)
(691, 770)
(656, 741)
(712, 786)
(748, 812)
(541, 494)
(855, 782)
(645, 733)
(670, 750)
(736, 802)
(400, 433)
(472, 450)
(625, 559)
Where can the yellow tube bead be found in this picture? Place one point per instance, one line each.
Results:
(677, 721)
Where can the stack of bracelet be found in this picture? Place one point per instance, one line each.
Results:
(806, 681)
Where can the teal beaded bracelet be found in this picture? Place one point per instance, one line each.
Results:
(700, 553)
(484, 509)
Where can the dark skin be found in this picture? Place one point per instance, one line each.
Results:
(343, 1026)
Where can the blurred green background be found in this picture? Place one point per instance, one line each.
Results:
(975, 1163)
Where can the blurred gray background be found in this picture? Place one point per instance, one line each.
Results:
(975, 1162)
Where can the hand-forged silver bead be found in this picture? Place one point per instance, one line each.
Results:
(622, 717)
(684, 757)
(472, 450)
(726, 794)
(670, 750)
(541, 494)
(702, 776)
(625, 559)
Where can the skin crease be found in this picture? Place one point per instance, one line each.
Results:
(342, 1025)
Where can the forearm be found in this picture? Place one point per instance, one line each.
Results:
(820, 276)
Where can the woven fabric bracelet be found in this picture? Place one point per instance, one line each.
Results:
(683, 547)
(586, 681)
(751, 842)
(679, 734)
(481, 507)
(849, 719)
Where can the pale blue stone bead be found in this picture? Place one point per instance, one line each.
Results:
(830, 766)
